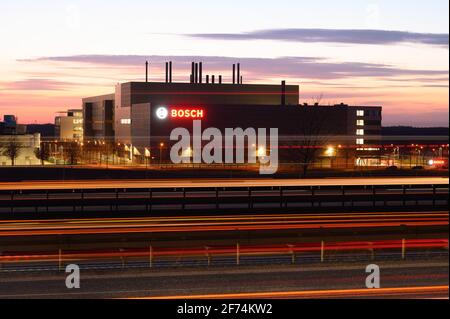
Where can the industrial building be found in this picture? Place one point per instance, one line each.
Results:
(130, 115)
(69, 125)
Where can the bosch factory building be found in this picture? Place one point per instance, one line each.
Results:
(141, 115)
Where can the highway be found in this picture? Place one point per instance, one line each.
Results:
(208, 183)
(225, 253)
(220, 223)
(407, 279)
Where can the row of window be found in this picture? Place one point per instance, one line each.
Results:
(368, 112)
(368, 122)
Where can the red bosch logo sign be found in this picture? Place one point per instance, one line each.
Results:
(180, 113)
(193, 113)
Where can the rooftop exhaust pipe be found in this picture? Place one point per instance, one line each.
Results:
(220, 79)
(283, 93)
(207, 79)
(234, 73)
(192, 72)
(239, 73)
(200, 72)
(196, 73)
(167, 72)
(170, 71)
(212, 79)
(146, 71)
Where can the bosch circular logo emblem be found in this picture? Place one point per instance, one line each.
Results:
(162, 112)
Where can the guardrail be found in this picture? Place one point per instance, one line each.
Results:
(152, 254)
(148, 200)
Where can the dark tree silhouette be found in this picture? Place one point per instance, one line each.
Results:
(312, 137)
(72, 153)
(11, 149)
(42, 153)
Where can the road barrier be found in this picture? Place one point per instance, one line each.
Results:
(145, 201)
(238, 251)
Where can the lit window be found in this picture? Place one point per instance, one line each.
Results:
(360, 122)
(360, 141)
(360, 113)
(125, 121)
(359, 132)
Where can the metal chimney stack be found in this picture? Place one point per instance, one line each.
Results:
(238, 73)
(212, 79)
(234, 73)
(192, 72)
(167, 72)
(220, 79)
(170, 71)
(207, 79)
(200, 72)
(196, 73)
(146, 71)
(283, 93)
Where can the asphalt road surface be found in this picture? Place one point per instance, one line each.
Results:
(420, 279)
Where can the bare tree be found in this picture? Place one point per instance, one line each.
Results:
(312, 138)
(42, 153)
(11, 149)
(317, 99)
(72, 153)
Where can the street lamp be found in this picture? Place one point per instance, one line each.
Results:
(330, 151)
(261, 153)
(161, 145)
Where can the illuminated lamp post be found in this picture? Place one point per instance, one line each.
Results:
(330, 152)
(161, 145)
(187, 154)
(147, 157)
(261, 152)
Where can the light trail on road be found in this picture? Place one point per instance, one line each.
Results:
(202, 183)
(414, 292)
(221, 223)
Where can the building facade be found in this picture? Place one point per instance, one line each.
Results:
(98, 117)
(141, 116)
(69, 125)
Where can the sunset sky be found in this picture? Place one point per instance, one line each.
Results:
(389, 53)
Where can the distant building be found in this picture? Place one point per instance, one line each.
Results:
(10, 126)
(13, 135)
(69, 125)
